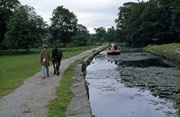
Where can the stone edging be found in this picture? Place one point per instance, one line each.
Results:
(161, 55)
(88, 59)
(80, 106)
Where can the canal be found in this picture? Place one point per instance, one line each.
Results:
(133, 84)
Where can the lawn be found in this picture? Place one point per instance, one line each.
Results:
(16, 68)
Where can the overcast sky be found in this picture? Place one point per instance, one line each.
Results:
(90, 13)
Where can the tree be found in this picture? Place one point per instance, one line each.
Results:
(7, 8)
(82, 36)
(143, 23)
(133, 27)
(167, 34)
(100, 34)
(25, 28)
(111, 35)
(123, 15)
(122, 20)
(176, 17)
(63, 25)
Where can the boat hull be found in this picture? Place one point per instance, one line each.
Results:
(113, 52)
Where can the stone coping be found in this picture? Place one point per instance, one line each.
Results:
(79, 105)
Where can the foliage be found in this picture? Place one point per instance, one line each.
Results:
(111, 35)
(22, 28)
(100, 34)
(63, 25)
(123, 15)
(7, 8)
(82, 36)
(25, 28)
(176, 17)
(151, 22)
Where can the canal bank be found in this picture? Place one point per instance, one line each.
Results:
(148, 86)
(79, 105)
(133, 84)
(171, 54)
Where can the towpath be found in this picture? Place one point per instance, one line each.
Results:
(30, 99)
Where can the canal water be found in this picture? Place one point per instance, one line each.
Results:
(128, 85)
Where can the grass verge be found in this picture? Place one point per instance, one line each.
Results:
(16, 68)
(57, 107)
(169, 50)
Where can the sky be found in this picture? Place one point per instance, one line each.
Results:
(90, 13)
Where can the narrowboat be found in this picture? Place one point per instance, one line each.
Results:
(113, 49)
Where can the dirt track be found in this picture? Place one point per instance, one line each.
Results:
(30, 99)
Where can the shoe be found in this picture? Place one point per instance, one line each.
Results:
(47, 75)
(43, 77)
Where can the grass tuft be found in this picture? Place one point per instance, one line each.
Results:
(167, 50)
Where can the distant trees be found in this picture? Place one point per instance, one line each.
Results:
(111, 35)
(100, 34)
(143, 23)
(25, 28)
(138, 24)
(20, 26)
(63, 25)
(151, 22)
(82, 36)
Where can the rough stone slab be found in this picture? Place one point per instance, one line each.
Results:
(79, 106)
(82, 115)
(177, 50)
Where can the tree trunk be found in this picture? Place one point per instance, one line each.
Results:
(27, 50)
(64, 44)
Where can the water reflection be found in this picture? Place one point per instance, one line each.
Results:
(111, 98)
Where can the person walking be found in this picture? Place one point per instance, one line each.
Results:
(44, 60)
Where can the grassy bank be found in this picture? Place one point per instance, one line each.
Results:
(167, 50)
(16, 68)
(57, 107)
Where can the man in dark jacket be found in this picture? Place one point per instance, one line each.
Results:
(44, 60)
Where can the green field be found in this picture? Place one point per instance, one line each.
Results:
(16, 68)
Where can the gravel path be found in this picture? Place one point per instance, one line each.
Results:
(30, 99)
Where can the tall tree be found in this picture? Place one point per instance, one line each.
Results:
(82, 36)
(176, 18)
(100, 34)
(123, 15)
(122, 21)
(25, 28)
(63, 25)
(133, 28)
(111, 35)
(167, 34)
(7, 8)
(149, 22)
